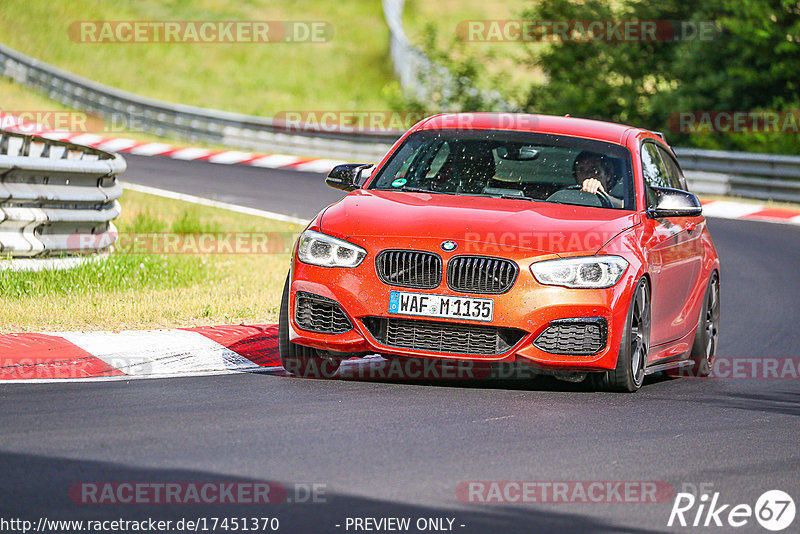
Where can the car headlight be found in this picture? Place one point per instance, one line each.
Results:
(327, 251)
(589, 272)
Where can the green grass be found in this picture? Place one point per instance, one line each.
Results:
(129, 290)
(190, 222)
(348, 72)
(121, 272)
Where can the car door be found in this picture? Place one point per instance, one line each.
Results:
(691, 246)
(673, 243)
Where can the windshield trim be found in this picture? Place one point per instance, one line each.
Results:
(557, 140)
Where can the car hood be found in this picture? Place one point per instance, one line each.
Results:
(514, 224)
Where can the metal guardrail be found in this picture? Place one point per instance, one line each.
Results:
(421, 76)
(741, 174)
(53, 193)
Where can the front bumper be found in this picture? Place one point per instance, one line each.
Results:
(528, 306)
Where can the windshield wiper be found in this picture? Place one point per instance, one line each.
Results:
(517, 197)
(510, 197)
(411, 189)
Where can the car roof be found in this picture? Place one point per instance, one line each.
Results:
(526, 122)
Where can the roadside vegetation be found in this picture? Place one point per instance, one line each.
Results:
(737, 57)
(349, 71)
(145, 290)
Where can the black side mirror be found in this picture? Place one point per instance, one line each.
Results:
(347, 177)
(674, 203)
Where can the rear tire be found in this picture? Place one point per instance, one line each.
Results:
(301, 361)
(704, 348)
(628, 375)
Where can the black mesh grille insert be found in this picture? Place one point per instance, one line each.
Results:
(436, 336)
(409, 268)
(574, 336)
(320, 314)
(481, 274)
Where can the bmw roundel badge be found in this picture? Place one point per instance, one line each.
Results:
(449, 246)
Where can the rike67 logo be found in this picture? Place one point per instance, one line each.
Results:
(774, 510)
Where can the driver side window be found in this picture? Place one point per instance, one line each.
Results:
(653, 171)
(676, 179)
(438, 160)
(420, 159)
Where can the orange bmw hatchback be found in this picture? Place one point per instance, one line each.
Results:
(570, 246)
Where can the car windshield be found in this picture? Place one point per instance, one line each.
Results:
(514, 165)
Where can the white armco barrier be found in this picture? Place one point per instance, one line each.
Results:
(54, 198)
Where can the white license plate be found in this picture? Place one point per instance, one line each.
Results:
(448, 306)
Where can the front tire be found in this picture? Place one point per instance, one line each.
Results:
(628, 375)
(301, 361)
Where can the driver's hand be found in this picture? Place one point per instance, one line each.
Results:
(592, 185)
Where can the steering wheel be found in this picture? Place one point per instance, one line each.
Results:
(605, 198)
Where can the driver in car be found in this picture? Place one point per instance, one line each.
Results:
(593, 173)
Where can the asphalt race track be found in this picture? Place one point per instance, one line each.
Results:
(295, 193)
(401, 449)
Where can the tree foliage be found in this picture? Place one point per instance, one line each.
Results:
(751, 63)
